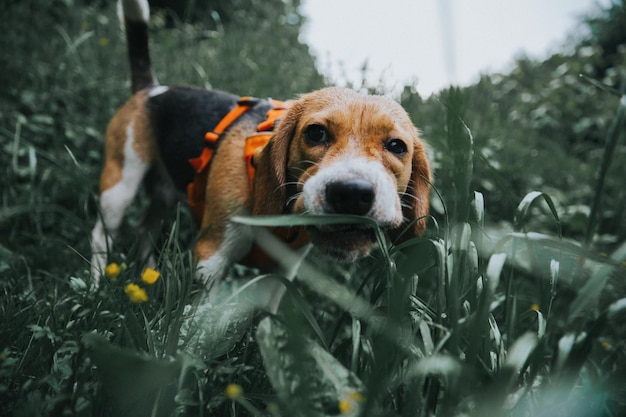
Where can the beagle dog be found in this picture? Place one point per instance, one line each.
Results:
(331, 151)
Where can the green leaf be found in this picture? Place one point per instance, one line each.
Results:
(441, 252)
(587, 297)
(616, 309)
(304, 308)
(494, 270)
(136, 384)
(302, 220)
(212, 330)
(519, 353)
(304, 375)
(443, 365)
(523, 209)
(478, 208)
(541, 324)
(565, 355)
(316, 220)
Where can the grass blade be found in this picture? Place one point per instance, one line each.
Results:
(524, 207)
(609, 150)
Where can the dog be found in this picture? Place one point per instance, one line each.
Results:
(331, 151)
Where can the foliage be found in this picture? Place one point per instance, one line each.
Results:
(502, 309)
(277, 64)
(543, 126)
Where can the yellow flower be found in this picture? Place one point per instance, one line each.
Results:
(348, 403)
(233, 391)
(104, 41)
(345, 406)
(112, 271)
(534, 307)
(356, 396)
(136, 293)
(150, 276)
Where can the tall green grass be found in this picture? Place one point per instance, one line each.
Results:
(468, 320)
(445, 324)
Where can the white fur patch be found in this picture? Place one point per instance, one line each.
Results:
(114, 202)
(137, 10)
(386, 209)
(158, 90)
(236, 244)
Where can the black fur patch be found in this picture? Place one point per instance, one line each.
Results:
(180, 118)
(139, 55)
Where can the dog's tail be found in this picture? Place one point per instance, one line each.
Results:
(134, 15)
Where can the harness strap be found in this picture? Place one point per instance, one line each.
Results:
(243, 105)
(197, 188)
(255, 143)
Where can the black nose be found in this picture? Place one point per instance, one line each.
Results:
(350, 197)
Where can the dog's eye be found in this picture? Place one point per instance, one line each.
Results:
(317, 135)
(396, 147)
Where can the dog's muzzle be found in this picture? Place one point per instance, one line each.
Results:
(346, 242)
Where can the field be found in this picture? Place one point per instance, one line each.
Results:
(512, 304)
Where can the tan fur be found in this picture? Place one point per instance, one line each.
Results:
(230, 166)
(133, 112)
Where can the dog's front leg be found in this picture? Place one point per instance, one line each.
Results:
(265, 294)
(218, 248)
(221, 243)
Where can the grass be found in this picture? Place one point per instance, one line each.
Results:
(431, 327)
(470, 319)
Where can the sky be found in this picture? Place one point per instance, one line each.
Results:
(435, 43)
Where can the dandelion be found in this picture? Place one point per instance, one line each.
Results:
(233, 391)
(104, 41)
(534, 307)
(605, 344)
(350, 402)
(150, 276)
(112, 271)
(135, 293)
(345, 406)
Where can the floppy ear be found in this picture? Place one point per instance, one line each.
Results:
(269, 189)
(416, 200)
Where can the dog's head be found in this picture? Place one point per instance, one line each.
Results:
(338, 152)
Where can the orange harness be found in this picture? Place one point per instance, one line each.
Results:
(295, 237)
(196, 189)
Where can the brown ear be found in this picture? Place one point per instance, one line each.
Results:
(416, 200)
(269, 189)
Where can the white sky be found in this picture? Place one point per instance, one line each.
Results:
(435, 42)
